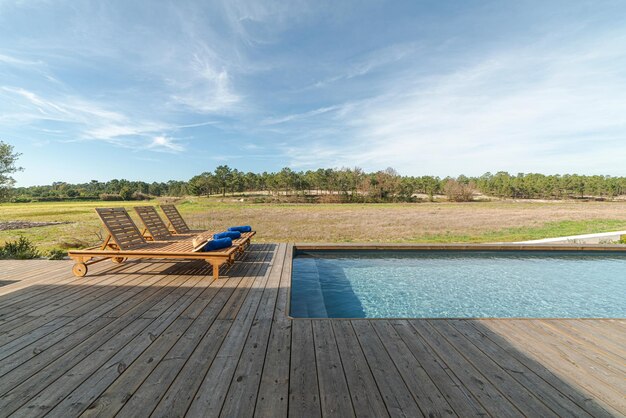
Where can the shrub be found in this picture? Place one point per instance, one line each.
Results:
(458, 192)
(22, 249)
(126, 193)
(141, 196)
(49, 199)
(56, 254)
(109, 196)
(622, 239)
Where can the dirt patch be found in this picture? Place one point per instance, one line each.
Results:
(5, 226)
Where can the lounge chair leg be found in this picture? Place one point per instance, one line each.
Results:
(216, 269)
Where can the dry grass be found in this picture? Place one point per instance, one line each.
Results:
(422, 222)
(425, 222)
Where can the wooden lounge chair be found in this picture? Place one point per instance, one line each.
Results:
(156, 230)
(175, 221)
(125, 241)
(177, 224)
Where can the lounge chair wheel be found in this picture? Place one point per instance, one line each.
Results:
(118, 260)
(79, 269)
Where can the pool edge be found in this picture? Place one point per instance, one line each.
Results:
(435, 247)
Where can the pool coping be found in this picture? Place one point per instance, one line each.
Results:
(442, 247)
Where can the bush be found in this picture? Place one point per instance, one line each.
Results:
(141, 196)
(458, 192)
(22, 249)
(622, 239)
(49, 199)
(126, 193)
(110, 197)
(56, 254)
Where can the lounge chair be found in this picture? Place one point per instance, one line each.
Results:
(178, 226)
(156, 230)
(125, 241)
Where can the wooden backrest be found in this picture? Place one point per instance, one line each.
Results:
(177, 221)
(121, 227)
(153, 223)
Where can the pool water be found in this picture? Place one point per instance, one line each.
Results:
(458, 284)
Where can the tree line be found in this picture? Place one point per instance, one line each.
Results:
(339, 185)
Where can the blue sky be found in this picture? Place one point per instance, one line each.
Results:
(158, 90)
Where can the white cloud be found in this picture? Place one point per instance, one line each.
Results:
(547, 110)
(11, 60)
(89, 120)
(206, 90)
(298, 116)
(164, 143)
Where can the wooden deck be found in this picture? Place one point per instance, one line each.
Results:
(165, 339)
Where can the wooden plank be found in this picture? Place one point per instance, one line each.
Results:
(52, 348)
(428, 397)
(335, 397)
(555, 393)
(73, 297)
(211, 393)
(603, 339)
(37, 305)
(462, 401)
(304, 400)
(460, 247)
(366, 397)
(489, 397)
(177, 398)
(116, 357)
(140, 353)
(71, 334)
(596, 353)
(545, 351)
(59, 334)
(74, 307)
(539, 368)
(27, 279)
(45, 373)
(611, 374)
(273, 394)
(16, 398)
(399, 400)
(234, 303)
(242, 393)
(515, 392)
(149, 377)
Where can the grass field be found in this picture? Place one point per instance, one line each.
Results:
(420, 222)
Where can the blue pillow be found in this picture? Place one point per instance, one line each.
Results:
(217, 244)
(227, 234)
(243, 228)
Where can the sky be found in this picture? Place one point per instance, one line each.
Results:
(158, 90)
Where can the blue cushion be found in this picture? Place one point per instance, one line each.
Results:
(227, 234)
(217, 244)
(243, 228)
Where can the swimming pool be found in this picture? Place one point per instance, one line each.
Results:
(458, 284)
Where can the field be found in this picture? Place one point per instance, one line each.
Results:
(418, 222)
